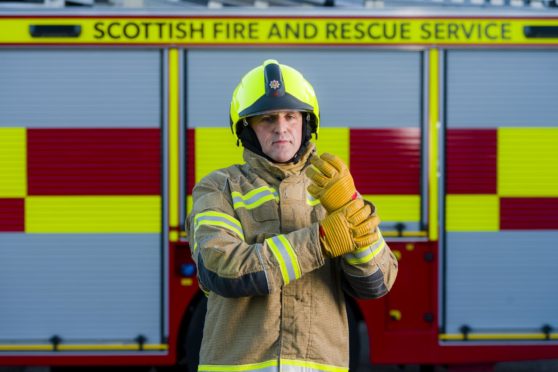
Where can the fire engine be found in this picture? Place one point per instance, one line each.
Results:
(111, 111)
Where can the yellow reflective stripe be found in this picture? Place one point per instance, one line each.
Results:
(366, 254)
(212, 218)
(292, 255)
(272, 363)
(285, 255)
(312, 201)
(254, 198)
(239, 367)
(317, 366)
(218, 219)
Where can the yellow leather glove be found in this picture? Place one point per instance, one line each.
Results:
(347, 229)
(332, 182)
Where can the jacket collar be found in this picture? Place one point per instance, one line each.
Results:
(276, 172)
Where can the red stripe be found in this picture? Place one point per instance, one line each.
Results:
(94, 161)
(386, 161)
(471, 161)
(191, 163)
(12, 215)
(529, 213)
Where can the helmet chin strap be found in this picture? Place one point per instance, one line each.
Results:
(250, 141)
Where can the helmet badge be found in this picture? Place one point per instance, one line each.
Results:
(274, 84)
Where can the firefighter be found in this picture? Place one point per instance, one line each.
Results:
(278, 240)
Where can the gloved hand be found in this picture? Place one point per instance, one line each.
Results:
(332, 182)
(349, 228)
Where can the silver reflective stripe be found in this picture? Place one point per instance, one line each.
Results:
(367, 254)
(207, 220)
(254, 198)
(285, 255)
(269, 366)
(284, 365)
(310, 200)
(307, 366)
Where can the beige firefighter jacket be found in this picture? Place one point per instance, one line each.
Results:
(274, 301)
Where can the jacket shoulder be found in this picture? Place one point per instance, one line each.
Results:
(218, 179)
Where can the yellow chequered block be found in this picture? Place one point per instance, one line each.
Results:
(93, 214)
(396, 207)
(528, 162)
(13, 162)
(215, 148)
(472, 213)
(335, 141)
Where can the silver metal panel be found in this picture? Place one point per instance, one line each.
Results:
(80, 88)
(502, 88)
(503, 281)
(356, 88)
(83, 288)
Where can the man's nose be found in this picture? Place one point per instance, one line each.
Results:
(281, 124)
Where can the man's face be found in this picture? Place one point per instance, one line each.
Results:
(279, 133)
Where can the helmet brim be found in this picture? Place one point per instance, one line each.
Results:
(266, 104)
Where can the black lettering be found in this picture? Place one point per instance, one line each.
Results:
(467, 30)
(292, 29)
(489, 35)
(199, 29)
(238, 30)
(453, 29)
(345, 30)
(253, 30)
(405, 31)
(135, 27)
(331, 30)
(390, 27)
(217, 29)
(160, 26)
(181, 31)
(439, 31)
(98, 27)
(425, 32)
(109, 30)
(146, 29)
(506, 31)
(171, 30)
(310, 30)
(370, 29)
(359, 31)
(274, 31)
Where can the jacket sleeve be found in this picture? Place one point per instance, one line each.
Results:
(369, 272)
(229, 266)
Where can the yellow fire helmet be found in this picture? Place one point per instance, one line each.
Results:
(273, 87)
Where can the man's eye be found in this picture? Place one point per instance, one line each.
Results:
(266, 119)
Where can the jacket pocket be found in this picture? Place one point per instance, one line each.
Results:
(266, 212)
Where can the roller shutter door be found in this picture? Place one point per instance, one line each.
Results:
(501, 191)
(80, 202)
